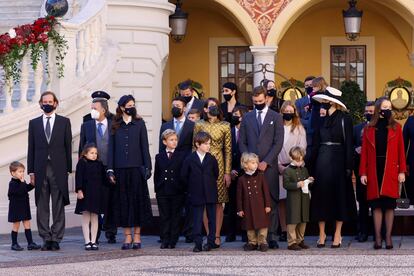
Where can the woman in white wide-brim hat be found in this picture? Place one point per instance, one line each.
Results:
(332, 193)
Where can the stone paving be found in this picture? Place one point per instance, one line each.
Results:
(352, 258)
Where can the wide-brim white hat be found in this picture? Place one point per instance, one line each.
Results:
(331, 94)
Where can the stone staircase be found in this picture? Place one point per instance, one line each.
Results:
(18, 12)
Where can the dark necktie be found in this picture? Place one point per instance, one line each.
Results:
(47, 129)
(100, 131)
(169, 153)
(259, 119)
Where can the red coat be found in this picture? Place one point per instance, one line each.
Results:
(394, 164)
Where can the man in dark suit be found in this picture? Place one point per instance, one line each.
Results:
(182, 126)
(49, 161)
(98, 95)
(97, 131)
(262, 132)
(187, 92)
(184, 129)
(361, 190)
(236, 171)
(303, 106)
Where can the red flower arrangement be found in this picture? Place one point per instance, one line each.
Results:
(34, 37)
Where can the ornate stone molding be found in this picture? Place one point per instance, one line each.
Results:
(264, 13)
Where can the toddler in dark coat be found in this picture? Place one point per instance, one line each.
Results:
(90, 175)
(19, 206)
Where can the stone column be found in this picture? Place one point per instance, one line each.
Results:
(263, 55)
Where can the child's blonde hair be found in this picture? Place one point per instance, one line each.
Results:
(247, 157)
(167, 133)
(297, 153)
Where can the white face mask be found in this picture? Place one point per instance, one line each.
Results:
(95, 114)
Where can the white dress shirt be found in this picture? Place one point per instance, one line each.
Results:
(201, 156)
(189, 105)
(264, 112)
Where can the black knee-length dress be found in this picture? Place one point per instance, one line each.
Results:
(332, 194)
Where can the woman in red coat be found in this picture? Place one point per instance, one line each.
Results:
(382, 167)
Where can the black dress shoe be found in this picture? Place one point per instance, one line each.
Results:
(206, 247)
(389, 246)
(55, 246)
(47, 246)
(197, 249)
(283, 236)
(230, 238)
(94, 246)
(377, 246)
(362, 237)
(273, 245)
(112, 240)
(33, 246)
(16, 247)
(172, 246)
(164, 246)
(249, 247)
(189, 240)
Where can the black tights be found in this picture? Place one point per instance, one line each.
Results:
(389, 220)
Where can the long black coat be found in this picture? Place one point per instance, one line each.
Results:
(59, 149)
(90, 177)
(185, 140)
(267, 144)
(167, 178)
(201, 178)
(19, 206)
(332, 193)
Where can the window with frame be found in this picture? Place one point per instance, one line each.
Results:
(236, 65)
(348, 63)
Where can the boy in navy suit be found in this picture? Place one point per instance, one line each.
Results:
(170, 191)
(200, 171)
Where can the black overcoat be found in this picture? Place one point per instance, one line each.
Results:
(19, 206)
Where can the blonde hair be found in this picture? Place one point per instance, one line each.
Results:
(296, 123)
(168, 133)
(247, 157)
(297, 153)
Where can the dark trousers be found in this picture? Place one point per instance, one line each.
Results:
(170, 208)
(188, 218)
(49, 188)
(198, 211)
(361, 196)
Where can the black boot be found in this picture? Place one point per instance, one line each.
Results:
(30, 244)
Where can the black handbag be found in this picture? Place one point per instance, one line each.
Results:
(403, 202)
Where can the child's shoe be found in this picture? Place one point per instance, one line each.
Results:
(16, 247)
(263, 247)
(88, 246)
(303, 245)
(94, 246)
(33, 246)
(197, 249)
(294, 247)
(249, 247)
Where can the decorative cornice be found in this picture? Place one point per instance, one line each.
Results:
(264, 13)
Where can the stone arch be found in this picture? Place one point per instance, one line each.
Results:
(404, 8)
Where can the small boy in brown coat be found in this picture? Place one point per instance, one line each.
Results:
(253, 203)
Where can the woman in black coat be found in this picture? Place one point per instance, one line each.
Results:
(129, 168)
(332, 193)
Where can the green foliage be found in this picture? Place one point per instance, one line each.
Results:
(354, 99)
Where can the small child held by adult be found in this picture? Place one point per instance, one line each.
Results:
(19, 206)
(200, 171)
(296, 181)
(253, 203)
(169, 189)
(89, 182)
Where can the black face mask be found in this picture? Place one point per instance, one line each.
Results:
(260, 106)
(309, 90)
(187, 99)
(271, 92)
(288, 116)
(326, 106)
(213, 111)
(131, 111)
(235, 120)
(368, 117)
(227, 97)
(176, 112)
(47, 108)
(386, 113)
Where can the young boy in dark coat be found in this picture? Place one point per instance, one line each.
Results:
(296, 180)
(19, 206)
(169, 189)
(200, 171)
(253, 203)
